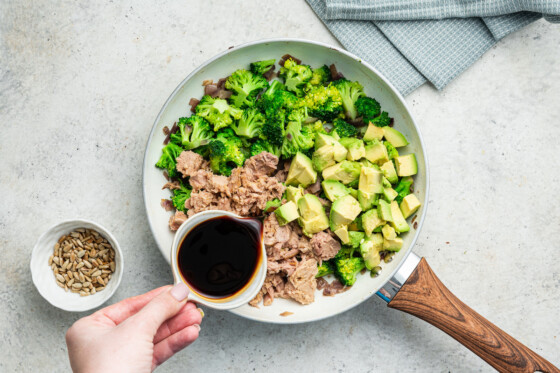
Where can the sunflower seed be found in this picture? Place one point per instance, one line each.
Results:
(60, 278)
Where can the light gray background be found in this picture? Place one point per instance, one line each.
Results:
(80, 87)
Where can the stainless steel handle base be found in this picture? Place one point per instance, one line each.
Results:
(392, 287)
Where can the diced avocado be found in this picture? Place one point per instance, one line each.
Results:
(286, 213)
(389, 194)
(386, 183)
(294, 193)
(345, 172)
(343, 211)
(301, 171)
(334, 189)
(355, 239)
(384, 210)
(355, 147)
(399, 222)
(370, 221)
(353, 192)
(310, 207)
(388, 169)
(342, 233)
(323, 157)
(388, 232)
(370, 180)
(409, 205)
(367, 200)
(365, 163)
(373, 133)
(406, 165)
(314, 225)
(340, 152)
(370, 249)
(394, 137)
(376, 152)
(322, 139)
(392, 245)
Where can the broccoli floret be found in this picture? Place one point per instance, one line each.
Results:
(260, 67)
(367, 108)
(355, 239)
(260, 146)
(299, 138)
(168, 159)
(272, 205)
(180, 196)
(383, 120)
(275, 101)
(324, 103)
(392, 152)
(250, 123)
(194, 131)
(295, 76)
(403, 188)
(326, 268)
(350, 92)
(320, 76)
(226, 152)
(245, 87)
(316, 127)
(217, 111)
(344, 129)
(273, 130)
(347, 269)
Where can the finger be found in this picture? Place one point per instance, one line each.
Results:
(174, 343)
(189, 315)
(121, 311)
(166, 305)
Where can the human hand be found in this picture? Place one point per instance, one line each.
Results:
(136, 334)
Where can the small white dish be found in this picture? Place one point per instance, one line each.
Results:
(43, 276)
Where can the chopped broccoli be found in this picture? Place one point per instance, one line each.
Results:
(299, 138)
(355, 239)
(168, 159)
(245, 87)
(250, 123)
(324, 103)
(275, 100)
(273, 130)
(180, 196)
(383, 120)
(367, 108)
(272, 205)
(403, 188)
(392, 152)
(295, 76)
(194, 131)
(217, 111)
(261, 145)
(320, 76)
(226, 152)
(350, 92)
(347, 269)
(326, 268)
(344, 129)
(260, 67)
(316, 127)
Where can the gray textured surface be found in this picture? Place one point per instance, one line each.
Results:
(80, 86)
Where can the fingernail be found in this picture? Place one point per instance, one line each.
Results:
(197, 326)
(201, 312)
(180, 291)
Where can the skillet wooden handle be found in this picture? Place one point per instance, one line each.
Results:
(423, 295)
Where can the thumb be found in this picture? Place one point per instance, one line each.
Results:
(159, 309)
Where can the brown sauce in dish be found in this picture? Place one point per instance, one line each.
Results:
(218, 257)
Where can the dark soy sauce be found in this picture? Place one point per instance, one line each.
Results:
(219, 256)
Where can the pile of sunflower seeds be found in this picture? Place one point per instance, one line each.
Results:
(83, 262)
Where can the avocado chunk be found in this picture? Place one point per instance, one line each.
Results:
(406, 165)
(409, 205)
(343, 212)
(293, 193)
(370, 180)
(367, 200)
(388, 169)
(388, 232)
(353, 192)
(386, 183)
(342, 233)
(376, 152)
(373, 133)
(371, 221)
(398, 222)
(355, 147)
(396, 138)
(323, 157)
(340, 152)
(286, 213)
(322, 139)
(389, 194)
(392, 245)
(301, 171)
(370, 249)
(384, 210)
(334, 189)
(345, 172)
(313, 218)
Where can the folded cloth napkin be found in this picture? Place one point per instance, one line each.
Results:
(414, 41)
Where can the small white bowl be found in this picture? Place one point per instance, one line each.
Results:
(43, 276)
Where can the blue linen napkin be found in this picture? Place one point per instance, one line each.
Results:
(412, 41)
